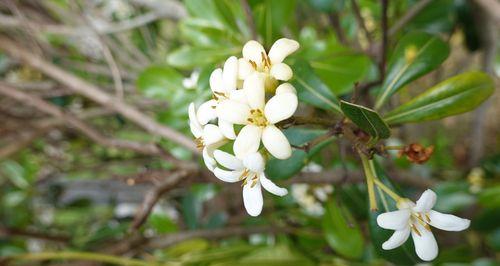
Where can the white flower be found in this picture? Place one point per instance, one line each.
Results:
(223, 85)
(271, 65)
(250, 170)
(415, 219)
(260, 118)
(208, 137)
(190, 82)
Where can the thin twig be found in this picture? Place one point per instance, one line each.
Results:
(337, 27)
(92, 92)
(6, 231)
(409, 15)
(361, 21)
(154, 195)
(249, 18)
(383, 46)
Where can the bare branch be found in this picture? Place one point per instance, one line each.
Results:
(82, 87)
(492, 7)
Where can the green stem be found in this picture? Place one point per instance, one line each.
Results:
(369, 182)
(387, 190)
(87, 256)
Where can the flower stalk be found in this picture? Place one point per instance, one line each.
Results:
(370, 179)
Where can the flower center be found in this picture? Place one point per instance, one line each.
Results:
(199, 143)
(418, 218)
(219, 96)
(246, 176)
(257, 118)
(266, 63)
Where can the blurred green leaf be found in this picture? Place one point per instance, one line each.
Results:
(453, 96)
(415, 55)
(366, 119)
(188, 57)
(311, 89)
(217, 254)
(15, 173)
(327, 5)
(273, 256)
(271, 17)
(200, 33)
(161, 223)
(159, 82)
(490, 197)
(341, 231)
(219, 13)
(187, 247)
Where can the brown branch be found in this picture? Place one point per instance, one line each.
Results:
(492, 7)
(82, 87)
(249, 18)
(75, 122)
(337, 27)
(5, 231)
(383, 46)
(361, 21)
(154, 195)
(409, 15)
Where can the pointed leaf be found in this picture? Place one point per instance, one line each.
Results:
(311, 89)
(415, 55)
(366, 119)
(453, 96)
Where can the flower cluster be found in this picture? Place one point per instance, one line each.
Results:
(247, 92)
(416, 219)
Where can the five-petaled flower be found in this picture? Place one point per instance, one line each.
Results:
(260, 117)
(255, 59)
(417, 219)
(250, 170)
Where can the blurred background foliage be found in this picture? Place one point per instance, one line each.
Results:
(61, 190)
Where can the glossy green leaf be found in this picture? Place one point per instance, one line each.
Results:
(341, 231)
(310, 88)
(215, 12)
(188, 57)
(159, 81)
(403, 255)
(453, 96)
(415, 55)
(200, 32)
(366, 119)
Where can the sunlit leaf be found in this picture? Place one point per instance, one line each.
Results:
(453, 96)
(415, 55)
(159, 82)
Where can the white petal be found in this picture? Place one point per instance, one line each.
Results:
(397, 239)
(216, 84)
(286, 88)
(228, 160)
(281, 71)
(247, 141)
(227, 129)
(426, 201)
(238, 95)
(425, 244)
(252, 198)
(208, 158)
(211, 134)
(227, 176)
(245, 69)
(271, 187)
(447, 222)
(280, 107)
(395, 220)
(254, 162)
(233, 111)
(230, 73)
(281, 49)
(254, 89)
(206, 112)
(253, 50)
(276, 143)
(194, 125)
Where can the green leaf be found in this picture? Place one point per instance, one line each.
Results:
(215, 12)
(162, 223)
(200, 32)
(341, 231)
(273, 255)
(366, 119)
(188, 57)
(453, 96)
(403, 255)
(159, 82)
(271, 17)
(415, 55)
(311, 89)
(15, 173)
(327, 5)
(341, 69)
